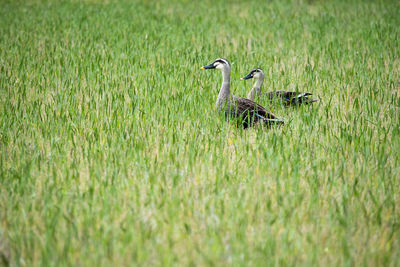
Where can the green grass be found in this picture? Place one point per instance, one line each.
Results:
(112, 153)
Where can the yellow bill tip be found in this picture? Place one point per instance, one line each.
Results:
(202, 68)
(242, 79)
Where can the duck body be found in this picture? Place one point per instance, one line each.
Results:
(291, 98)
(288, 98)
(248, 113)
(245, 111)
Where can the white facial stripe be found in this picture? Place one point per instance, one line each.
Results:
(222, 61)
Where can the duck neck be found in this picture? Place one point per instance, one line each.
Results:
(224, 92)
(256, 90)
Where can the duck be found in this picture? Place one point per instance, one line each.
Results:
(289, 98)
(245, 111)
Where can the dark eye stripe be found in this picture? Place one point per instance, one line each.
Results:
(256, 70)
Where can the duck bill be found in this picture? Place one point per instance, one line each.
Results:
(208, 67)
(248, 76)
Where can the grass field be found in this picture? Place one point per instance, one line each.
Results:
(112, 153)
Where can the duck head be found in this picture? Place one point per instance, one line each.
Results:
(256, 73)
(220, 63)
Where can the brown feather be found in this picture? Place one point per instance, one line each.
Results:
(291, 98)
(248, 112)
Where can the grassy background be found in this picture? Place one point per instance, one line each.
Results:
(111, 151)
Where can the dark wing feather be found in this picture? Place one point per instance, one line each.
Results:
(291, 97)
(245, 105)
(285, 94)
(249, 113)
